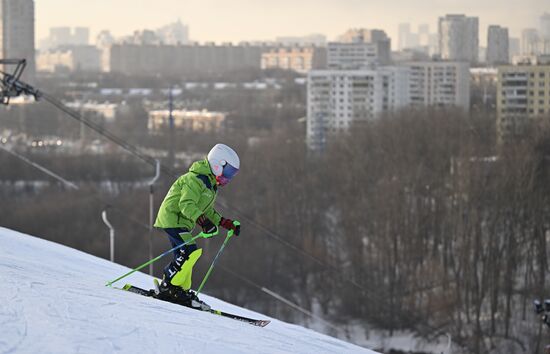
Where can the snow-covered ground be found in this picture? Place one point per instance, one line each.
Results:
(53, 300)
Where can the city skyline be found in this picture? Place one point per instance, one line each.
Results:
(246, 20)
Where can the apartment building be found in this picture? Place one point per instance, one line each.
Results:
(197, 121)
(338, 99)
(159, 59)
(523, 93)
(439, 84)
(299, 59)
(358, 55)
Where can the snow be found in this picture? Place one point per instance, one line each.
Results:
(53, 300)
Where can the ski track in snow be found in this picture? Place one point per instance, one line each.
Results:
(53, 300)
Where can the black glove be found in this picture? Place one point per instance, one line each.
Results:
(207, 226)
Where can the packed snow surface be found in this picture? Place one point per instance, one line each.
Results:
(53, 299)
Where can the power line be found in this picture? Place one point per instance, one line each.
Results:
(278, 297)
(166, 170)
(266, 231)
(41, 168)
(135, 151)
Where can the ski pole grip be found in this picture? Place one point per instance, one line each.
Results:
(237, 224)
(209, 235)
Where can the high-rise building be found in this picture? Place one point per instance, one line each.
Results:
(544, 26)
(81, 36)
(439, 84)
(459, 38)
(544, 34)
(523, 93)
(530, 41)
(403, 36)
(497, 45)
(104, 39)
(358, 49)
(17, 33)
(356, 35)
(514, 47)
(174, 33)
(422, 41)
(358, 55)
(337, 99)
(60, 36)
(424, 36)
(65, 36)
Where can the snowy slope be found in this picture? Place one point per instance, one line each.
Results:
(53, 300)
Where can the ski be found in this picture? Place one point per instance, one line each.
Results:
(151, 293)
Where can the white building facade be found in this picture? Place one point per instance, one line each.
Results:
(439, 84)
(338, 99)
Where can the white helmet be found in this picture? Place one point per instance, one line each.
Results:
(224, 163)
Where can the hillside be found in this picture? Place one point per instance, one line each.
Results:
(53, 300)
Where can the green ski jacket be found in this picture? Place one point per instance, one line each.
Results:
(191, 195)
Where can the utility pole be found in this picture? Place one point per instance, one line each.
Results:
(171, 129)
(111, 234)
(151, 207)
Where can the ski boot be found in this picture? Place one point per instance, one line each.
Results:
(196, 303)
(171, 293)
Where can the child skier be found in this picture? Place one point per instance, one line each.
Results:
(190, 201)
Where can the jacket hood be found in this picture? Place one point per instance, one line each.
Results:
(202, 167)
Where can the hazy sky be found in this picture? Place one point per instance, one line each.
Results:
(236, 20)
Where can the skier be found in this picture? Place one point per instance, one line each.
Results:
(190, 201)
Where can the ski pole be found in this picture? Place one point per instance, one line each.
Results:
(202, 234)
(229, 235)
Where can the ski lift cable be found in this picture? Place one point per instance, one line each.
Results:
(278, 297)
(135, 151)
(41, 168)
(166, 170)
(72, 185)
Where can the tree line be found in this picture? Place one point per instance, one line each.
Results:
(419, 220)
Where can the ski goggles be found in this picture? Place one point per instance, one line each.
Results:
(227, 175)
